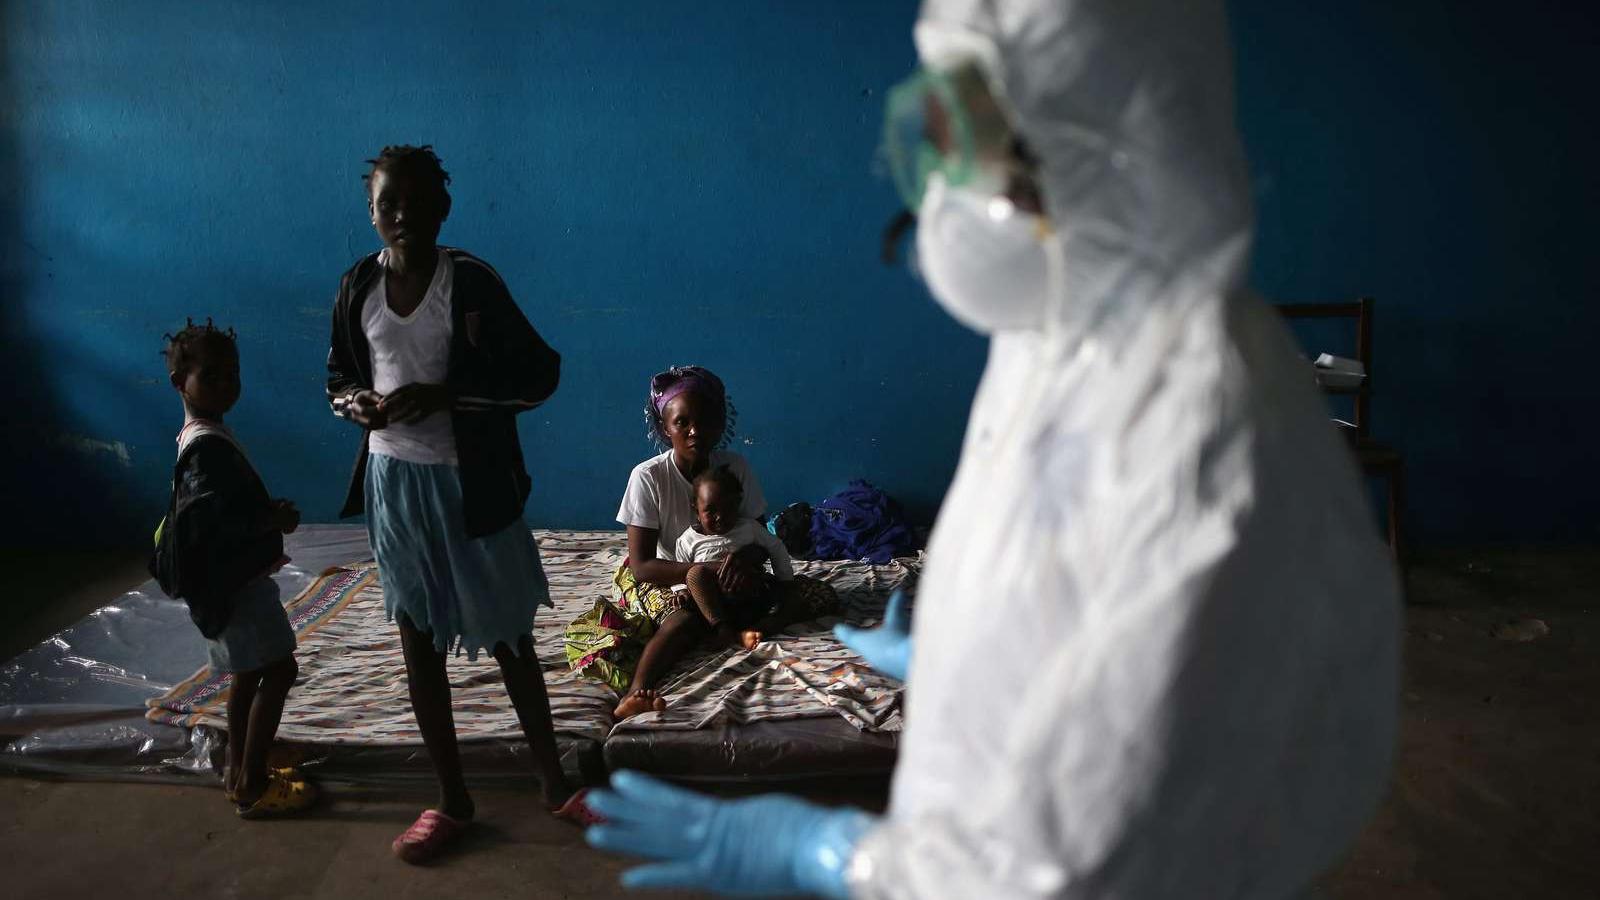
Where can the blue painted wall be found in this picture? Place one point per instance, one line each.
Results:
(695, 182)
(1440, 156)
(658, 183)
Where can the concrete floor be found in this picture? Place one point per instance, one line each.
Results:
(1496, 791)
(135, 841)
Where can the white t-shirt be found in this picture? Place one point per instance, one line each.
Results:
(410, 349)
(659, 497)
(694, 546)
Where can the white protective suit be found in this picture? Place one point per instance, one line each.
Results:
(1155, 646)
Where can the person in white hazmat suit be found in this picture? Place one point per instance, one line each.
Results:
(1155, 644)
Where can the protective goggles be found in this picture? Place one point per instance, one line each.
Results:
(948, 121)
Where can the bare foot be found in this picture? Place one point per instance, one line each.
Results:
(639, 702)
(750, 638)
(728, 636)
(230, 781)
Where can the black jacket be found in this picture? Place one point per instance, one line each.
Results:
(498, 366)
(218, 534)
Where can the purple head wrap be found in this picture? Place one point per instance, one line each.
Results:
(683, 380)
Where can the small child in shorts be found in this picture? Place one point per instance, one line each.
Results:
(718, 533)
(221, 540)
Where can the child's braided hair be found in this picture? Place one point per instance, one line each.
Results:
(421, 159)
(183, 347)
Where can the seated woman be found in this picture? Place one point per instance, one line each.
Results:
(688, 412)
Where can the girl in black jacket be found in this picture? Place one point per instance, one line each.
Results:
(433, 359)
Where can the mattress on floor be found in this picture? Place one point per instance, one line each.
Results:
(774, 750)
(75, 704)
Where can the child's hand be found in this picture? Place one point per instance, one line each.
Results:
(740, 571)
(366, 410)
(285, 517)
(735, 577)
(415, 402)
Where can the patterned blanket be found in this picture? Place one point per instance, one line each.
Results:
(352, 686)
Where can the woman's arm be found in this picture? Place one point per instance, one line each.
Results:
(642, 558)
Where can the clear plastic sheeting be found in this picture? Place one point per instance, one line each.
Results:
(74, 706)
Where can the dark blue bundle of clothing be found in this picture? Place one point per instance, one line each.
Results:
(860, 522)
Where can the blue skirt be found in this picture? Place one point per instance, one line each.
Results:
(470, 593)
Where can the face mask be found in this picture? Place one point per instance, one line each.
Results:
(988, 271)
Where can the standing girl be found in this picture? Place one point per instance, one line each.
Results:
(432, 357)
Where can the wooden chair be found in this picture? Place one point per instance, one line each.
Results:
(1376, 459)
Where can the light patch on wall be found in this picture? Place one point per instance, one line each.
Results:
(573, 312)
(106, 312)
(92, 447)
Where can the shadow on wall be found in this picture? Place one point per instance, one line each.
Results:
(111, 188)
(48, 462)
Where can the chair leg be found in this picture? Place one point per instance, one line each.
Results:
(1396, 501)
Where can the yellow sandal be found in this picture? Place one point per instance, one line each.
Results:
(284, 796)
(290, 773)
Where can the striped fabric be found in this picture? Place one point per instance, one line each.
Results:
(352, 687)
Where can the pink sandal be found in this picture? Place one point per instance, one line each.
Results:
(428, 836)
(576, 810)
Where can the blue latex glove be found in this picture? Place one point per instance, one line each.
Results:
(888, 647)
(773, 844)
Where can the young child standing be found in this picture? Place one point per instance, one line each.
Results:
(221, 540)
(719, 532)
(432, 357)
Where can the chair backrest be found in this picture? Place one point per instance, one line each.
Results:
(1359, 310)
